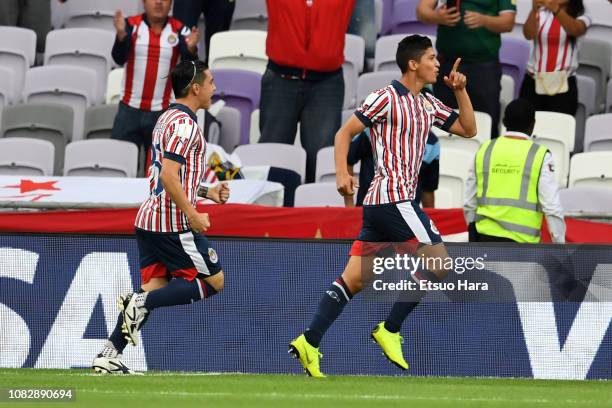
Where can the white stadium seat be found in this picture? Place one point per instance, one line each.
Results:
(591, 169)
(454, 169)
(240, 49)
(101, 158)
(274, 154)
(26, 156)
(318, 195)
(17, 53)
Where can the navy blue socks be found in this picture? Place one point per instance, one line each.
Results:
(331, 305)
(178, 291)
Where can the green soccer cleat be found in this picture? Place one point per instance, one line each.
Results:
(308, 355)
(391, 345)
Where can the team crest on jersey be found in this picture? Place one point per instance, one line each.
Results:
(212, 254)
(428, 106)
(172, 39)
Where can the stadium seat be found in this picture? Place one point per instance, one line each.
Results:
(318, 195)
(371, 81)
(354, 57)
(6, 89)
(454, 168)
(387, 14)
(386, 47)
(601, 20)
(506, 95)
(513, 56)
(591, 169)
(326, 167)
(99, 121)
(254, 134)
(586, 200)
(250, 15)
(598, 133)
(230, 128)
(98, 14)
(82, 47)
(586, 107)
(239, 49)
(471, 145)
(241, 90)
(17, 53)
(556, 131)
(113, 86)
(101, 158)
(404, 19)
(49, 122)
(72, 86)
(26, 156)
(594, 60)
(274, 154)
(609, 96)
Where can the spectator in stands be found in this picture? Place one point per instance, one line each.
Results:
(512, 185)
(550, 81)
(362, 24)
(360, 150)
(150, 46)
(472, 33)
(304, 82)
(32, 14)
(217, 16)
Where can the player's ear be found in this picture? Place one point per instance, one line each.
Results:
(412, 65)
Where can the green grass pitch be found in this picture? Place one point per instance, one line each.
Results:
(174, 390)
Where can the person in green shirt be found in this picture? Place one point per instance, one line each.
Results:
(471, 32)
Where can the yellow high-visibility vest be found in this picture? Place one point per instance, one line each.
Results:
(507, 174)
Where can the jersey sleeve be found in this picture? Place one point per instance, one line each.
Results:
(374, 109)
(444, 117)
(506, 6)
(179, 138)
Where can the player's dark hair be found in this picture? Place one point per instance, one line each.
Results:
(411, 48)
(519, 116)
(186, 73)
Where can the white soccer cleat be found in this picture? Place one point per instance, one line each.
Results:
(134, 317)
(111, 365)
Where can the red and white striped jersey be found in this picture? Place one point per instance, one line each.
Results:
(177, 137)
(148, 59)
(400, 124)
(553, 49)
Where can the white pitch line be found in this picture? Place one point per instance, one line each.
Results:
(280, 396)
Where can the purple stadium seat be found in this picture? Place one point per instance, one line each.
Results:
(386, 17)
(404, 19)
(241, 90)
(513, 55)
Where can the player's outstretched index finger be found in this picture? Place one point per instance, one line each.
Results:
(456, 65)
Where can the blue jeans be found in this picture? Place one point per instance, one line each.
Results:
(317, 105)
(362, 24)
(135, 125)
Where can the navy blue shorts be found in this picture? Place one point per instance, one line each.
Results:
(394, 223)
(166, 254)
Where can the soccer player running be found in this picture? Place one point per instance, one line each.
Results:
(177, 265)
(399, 117)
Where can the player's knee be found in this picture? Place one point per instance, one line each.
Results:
(354, 284)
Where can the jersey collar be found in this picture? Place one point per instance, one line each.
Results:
(185, 109)
(400, 88)
(517, 135)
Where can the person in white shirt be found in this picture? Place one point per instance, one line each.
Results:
(511, 185)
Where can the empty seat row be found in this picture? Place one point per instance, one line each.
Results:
(106, 158)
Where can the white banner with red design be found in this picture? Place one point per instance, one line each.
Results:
(105, 192)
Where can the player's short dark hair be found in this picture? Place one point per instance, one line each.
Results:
(411, 48)
(186, 73)
(519, 116)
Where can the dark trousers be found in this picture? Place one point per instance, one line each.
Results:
(136, 126)
(475, 236)
(563, 103)
(317, 105)
(32, 14)
(217, 15)
(483, 86)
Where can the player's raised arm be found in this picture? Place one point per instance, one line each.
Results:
(344, 181)
(466, 124)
